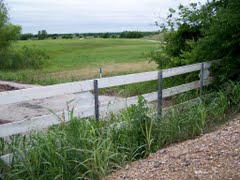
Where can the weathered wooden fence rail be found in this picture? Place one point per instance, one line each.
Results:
(45, 121)
(88, 85)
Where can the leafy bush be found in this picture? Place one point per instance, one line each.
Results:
(105, 35)
(26, 36)
(222, 41)
(67, 36)
(23, 58)
(131, 34)
(203, 33)
(114, 36)
(16, 59)
(54, 37)
(8, 32)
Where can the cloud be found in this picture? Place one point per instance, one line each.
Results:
(59, 16)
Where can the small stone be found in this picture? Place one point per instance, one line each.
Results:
(201, 172)
(222, 152)
(173, 157)
(126, 178)
(157, 165)
(210, 158)
(186, 163)
(162, 151)
(215, 170)
(175, 169)
(136, 174)
(142, 171)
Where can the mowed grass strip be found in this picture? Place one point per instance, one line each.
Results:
(78, 59)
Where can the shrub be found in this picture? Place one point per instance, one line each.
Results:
(26, 36)
(114, 36)
(9, 33)
(67, 36)
(106, 35)
(131, 34)
(23, 58)
(198, 33)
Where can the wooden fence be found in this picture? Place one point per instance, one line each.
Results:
(101, 109)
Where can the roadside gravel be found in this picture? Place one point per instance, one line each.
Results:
(211, 156)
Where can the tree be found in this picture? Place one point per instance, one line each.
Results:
(26, 36)
(222, 41)
(131, 34)
(16, 58)
(106, 35)
(8, 32)
(67, 36)
(42, 34)
(197, 33)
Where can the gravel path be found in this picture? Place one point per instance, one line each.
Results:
(212, 156)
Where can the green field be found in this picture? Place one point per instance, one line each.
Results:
(78, 59)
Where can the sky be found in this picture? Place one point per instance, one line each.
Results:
(82, 16)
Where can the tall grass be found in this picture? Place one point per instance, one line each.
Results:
(89, 149)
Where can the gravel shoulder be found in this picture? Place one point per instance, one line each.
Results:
(211, 156)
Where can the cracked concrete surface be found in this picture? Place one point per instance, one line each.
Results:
(29, 109)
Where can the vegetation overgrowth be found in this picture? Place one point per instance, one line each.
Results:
(89, 149)
(84, 148)
(12, 58)
(203, 32)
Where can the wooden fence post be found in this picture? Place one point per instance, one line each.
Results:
(201, 79)
(160, 90)
(96, 99)
(100, 72)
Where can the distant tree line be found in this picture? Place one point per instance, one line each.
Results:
(42, 34)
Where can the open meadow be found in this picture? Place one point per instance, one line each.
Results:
(77, 59)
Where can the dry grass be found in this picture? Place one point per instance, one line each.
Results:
(108, 70)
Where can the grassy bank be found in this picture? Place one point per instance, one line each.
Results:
(78, 59)
(87, 149)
